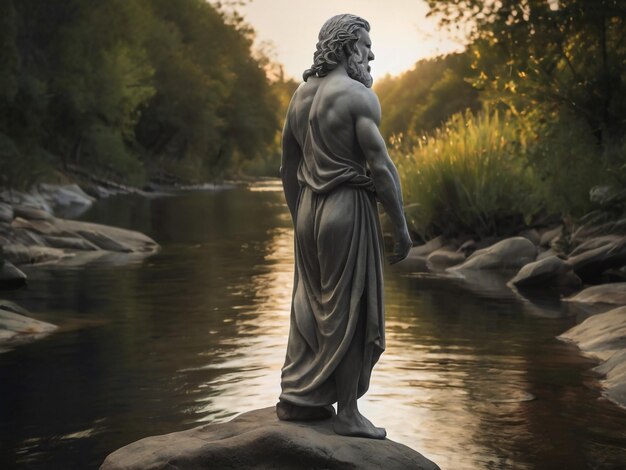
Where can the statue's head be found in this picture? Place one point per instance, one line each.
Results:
(339, 40)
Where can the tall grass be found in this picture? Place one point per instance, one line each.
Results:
(470, 176)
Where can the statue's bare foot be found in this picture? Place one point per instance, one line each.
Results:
(289, 412)
(356, 425)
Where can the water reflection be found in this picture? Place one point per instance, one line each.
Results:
(473, 376)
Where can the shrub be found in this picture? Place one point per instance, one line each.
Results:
(470, 176)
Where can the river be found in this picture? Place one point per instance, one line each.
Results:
(473, 377)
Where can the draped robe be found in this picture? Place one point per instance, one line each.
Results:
(338, 270)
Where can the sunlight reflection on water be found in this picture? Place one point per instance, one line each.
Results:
(472, 377)
(419, 392)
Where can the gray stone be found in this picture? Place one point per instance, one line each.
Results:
(65, 195)
(603, 337)
(531, 235)
(611, 294)
(594, 243)
(20, 254)
(30, 199)
(546, 254)
(43, 227)
(444, 258)
(10, 276)
(70, 243)
(468, 247)
(511, 253)
(94, 235)
(31, 213)
(258, 440)
(6, 212)
(588, 265)
(28, 238)
(427, 248)
(108, 238)
(614, 371)
(17, 328)
(547, 273)
(548, 236)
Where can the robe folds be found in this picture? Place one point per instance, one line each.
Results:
(338, 272)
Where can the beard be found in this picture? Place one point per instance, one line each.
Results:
(359, 72)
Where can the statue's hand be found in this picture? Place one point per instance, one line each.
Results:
(401, 247)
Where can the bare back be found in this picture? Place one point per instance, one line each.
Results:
(329, 101)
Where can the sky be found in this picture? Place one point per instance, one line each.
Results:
(401, 34)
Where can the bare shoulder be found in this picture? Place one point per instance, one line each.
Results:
(363, 102)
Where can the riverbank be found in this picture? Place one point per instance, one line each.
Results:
(31, 234)
(584, 265)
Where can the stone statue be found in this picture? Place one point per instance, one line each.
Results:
(335, 166)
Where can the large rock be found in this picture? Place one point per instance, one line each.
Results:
(614, 371)
(69, 200)
(594, 243)
(547, 273)
(17, 328)
(71, 236)
(70, 243)
(31, 213)
(603, 337)
(549, 235)
(6, 212)
(590, 264)
(65, 196)
(10, 276)
(511, 253)
(427, 248)
(610, 294)
(444, 258)
(21, 254)
(258, 440)
(108, 238)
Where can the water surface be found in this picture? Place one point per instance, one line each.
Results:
(473, 377)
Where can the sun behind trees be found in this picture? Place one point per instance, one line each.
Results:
(547, 78)
(130, 89)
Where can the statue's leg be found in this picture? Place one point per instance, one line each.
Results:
(349, 421)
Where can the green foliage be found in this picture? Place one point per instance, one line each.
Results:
(559, 71)
(566, 158)
(468, 176)
(128, 87)
(568, 55)
(426, 96)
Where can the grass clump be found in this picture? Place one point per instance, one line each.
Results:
(468, 177)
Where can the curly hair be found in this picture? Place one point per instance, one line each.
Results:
(337, 35)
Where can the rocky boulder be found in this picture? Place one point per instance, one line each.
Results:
(22, 254)
(31, 213)
(444, 258)
(427, 248)
(550, 235)
(603, 337)
(590, 264)
(41, 240)
(258, 440)
(17, 328)
(547, 273)
(511, 253)
(6, 212)
(610, 294)
(10, 276)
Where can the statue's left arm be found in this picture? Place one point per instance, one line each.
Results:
(290, 161)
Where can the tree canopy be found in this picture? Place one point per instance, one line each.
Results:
(129, 87)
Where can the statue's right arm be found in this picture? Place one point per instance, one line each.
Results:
(384, 173)
(290, 161)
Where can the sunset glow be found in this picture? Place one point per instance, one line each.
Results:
(401, 33)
